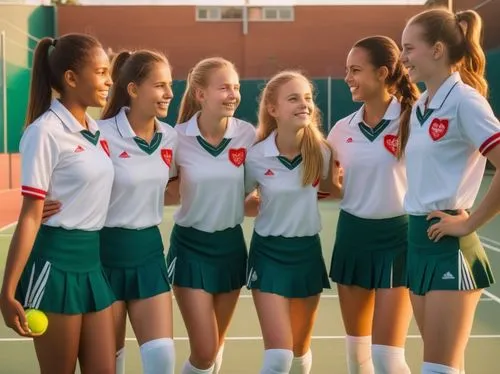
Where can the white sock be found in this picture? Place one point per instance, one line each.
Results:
(302, 365)
(120, 361)
(190, 369)
(158, 356)
(429, 368)
(389, 360)
(218, 359)
(277, 361)
(359, 355)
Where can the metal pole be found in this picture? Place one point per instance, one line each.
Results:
(482, 4)
(4, 91)
(329, 106)
(245, 18)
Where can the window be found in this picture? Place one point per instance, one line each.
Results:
(231, 13)
(255, 14)
(208, 14)
(270, 14)
(285, 14)
(278, 14)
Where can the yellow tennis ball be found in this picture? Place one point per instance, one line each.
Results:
(37, 321)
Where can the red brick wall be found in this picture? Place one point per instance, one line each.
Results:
(317, 41)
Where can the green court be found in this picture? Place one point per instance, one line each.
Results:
(243, 352)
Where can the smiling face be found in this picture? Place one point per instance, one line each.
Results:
(221, 96)
(91, 83)
(365, 81)
(153, 95)
(418, 56)
(294, 106)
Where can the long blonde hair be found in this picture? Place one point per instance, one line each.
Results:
(198, 78)
(313, 139)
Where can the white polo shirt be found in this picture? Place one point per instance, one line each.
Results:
(142, 172)
(212, 178)
(445, 152)
(63, 161)
(287, 208)
(374, 180)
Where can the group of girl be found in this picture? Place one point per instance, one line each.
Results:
(406, 168)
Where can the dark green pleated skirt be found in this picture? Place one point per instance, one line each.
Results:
(134, 262)
(370, 253)
(64, 273)
(214, 262)
(450, 264)
(289, 267)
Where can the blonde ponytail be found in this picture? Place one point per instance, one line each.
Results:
(198, 78)
(473, 65)
(461, 33)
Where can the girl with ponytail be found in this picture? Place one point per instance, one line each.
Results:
(369, 257)
(286, 270)
(453, 133)
(55, 266)
(131, 244)
(207, 255)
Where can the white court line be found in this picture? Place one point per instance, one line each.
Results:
(491, 247)
(489, 240)
(491, 296)
(495, 249)
(6, 227)
(258, 338)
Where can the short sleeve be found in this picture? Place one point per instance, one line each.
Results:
(250, 136)
(39, 156)
(330, 139)
(478, 123)
(250, 176)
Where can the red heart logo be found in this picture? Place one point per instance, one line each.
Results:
(391, 144)
(438, 128)
(166, 155)
(237, 156)
(105, 147)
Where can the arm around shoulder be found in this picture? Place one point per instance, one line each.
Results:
(330, 187)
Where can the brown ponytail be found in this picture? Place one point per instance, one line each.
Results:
(384, 51)
(407, 94)
(41, 88)
(69, 52)
(129, 68)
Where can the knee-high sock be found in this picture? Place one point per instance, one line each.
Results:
(359, 355)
